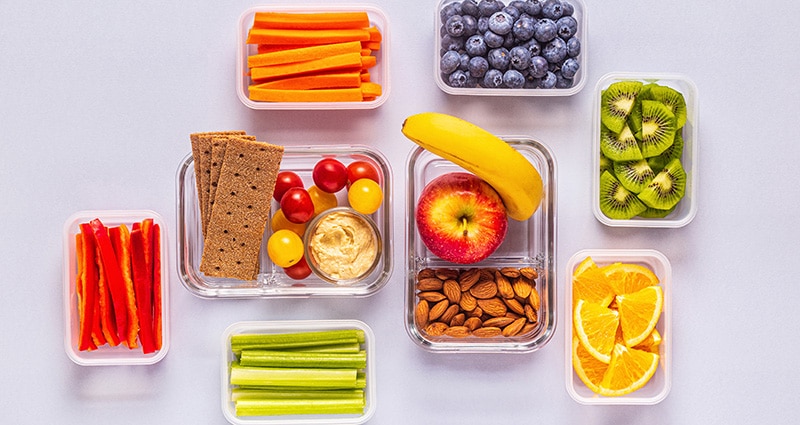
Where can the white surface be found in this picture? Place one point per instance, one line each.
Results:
(96, 103)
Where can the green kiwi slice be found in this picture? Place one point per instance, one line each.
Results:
(655, 213)
(666, 188)
(634, 175)
(616, 103)
(619, 146)
(635, 117)
(616, 202)
(658, 128)
(606, 164)
(657, 163)
(674, 101)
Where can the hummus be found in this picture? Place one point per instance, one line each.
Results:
(343, 245)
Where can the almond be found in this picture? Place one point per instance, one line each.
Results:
(529, 273)
(426, 273)
(431, 296)
(452, 290)
(430, 284)
(534, 300)
(421, 314)
(436, 329)
(522, 288)
(457, 331)
(468, 278)
(514, 305)
(514, 327)
(448, 314)
(467, 302)
(487, 332)
(475, 312)
(458, 319)
(487, 273)
(510, 272)
(438, 309)
(493, 306)
(528, 328)
(445, 274)
(504, 287)
(498, 321)
(530, 314)
(484, 290)
(473, 323)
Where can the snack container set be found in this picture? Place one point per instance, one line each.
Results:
(530, 243)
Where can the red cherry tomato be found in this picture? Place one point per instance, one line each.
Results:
(362, 170)
(330, 175)
(299, 270)
(297, 205)
(286, 180)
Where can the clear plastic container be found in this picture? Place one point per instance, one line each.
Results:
(686, 209)
(275, 327)
(107, 355)
(659, 385)
(379, 73)
(529, 243)
(272, 281)
(579, 80)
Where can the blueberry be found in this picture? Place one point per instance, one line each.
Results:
(483, 24)
(498, 58)
(513, 79)
(510, 41)
(449, 10)
(567, 8)
(567, 27)
(501, 23)
(470, 7)
(452, 43)
(534, 47)
(549, 81)
(563, 82)
(478, 66)
(555, 51)
(470, 25)
(493, 79)
(570, 67)
(457, 78)
(489, 7)
(463, 61)
(523, 28)
(518, 4)
(449, 61)
(573, 47)
(513, 11)
(520, 57)
(476, 45)
(545, 30)
(531, 82)
(538, 66)
(493, 40)
(552, 9)
(532, 7)
(455, 25)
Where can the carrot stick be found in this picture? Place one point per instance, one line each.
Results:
(371, 89)
(366, 52)
(295, 36)
(365, 77)
(315, 81)
(368, 61)
(372, 45)
(375, 34)
(301, 54)
(322, 95)
(313, 20)
(345, 60)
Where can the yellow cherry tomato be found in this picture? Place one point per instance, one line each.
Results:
(365, 196)
(285, 248)
(322, 200)
(279, 221)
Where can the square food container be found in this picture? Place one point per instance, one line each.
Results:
(442, 12)
(272, 281)
(686, 209)
(290, 326)
(378, 73)
(106, 355)
(528, 244)
(659, 385)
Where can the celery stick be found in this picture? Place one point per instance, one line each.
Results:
(298, 407)
(315, 378)
(351, 348)
(240, 393)
(295, 339)
(269, 358)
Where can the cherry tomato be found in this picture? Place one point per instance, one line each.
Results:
(285, 248)
(279, 221)
(286, 180)
(329, 175)
(297, 205)
(362, 170)
(365, 196)
(322, 200)
(299, 270)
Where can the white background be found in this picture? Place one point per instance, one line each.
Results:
(97, 100)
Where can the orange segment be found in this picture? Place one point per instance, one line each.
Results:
(629, 370)
(591, 284)
(589, 369)
(596, 327)
(639, 313)
(651, 343)
(625, 278)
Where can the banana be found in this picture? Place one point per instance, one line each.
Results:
(483, 154)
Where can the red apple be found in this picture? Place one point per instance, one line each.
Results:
(461, 218)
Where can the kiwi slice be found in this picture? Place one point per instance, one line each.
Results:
(657, 163)
(655, 213)
(674, 101)
(658, 128)
(619, 146)
(666, 188)
(616, 202)
(606, 164)
(634, 175)
(635, 117)
(616, 103)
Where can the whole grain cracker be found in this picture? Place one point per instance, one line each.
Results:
(218, 144)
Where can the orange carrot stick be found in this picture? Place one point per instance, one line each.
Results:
(313, 20)
(301, 54)
(368, 61)
(371, 90)
(375, 34)
(372, 45)
(295, 36)
(315, 81)
(345, 60)
(322, 95)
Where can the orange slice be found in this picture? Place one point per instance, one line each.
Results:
(639, 313)
(589, 369)
(625, 278)
(630, 369)
(591, 284)
(651, 343)
(596, 327)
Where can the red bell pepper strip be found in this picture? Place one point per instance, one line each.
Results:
(107, 321)
(157, 313)
(144, 286)
(121, 240)
(116, 285)
(88, 295)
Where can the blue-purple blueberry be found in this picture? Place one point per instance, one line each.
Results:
(478, 65)
(567, 27)
(573, 47)
(455, 25)
(570, 67)
(476, 45)
(545, 30)
(549, 81)
(513, 79)
(470, 7)
(493, 40)
(458, 79)
(449, 62)
(493, 79)
(538, 66)
(523, 28)
(489, 7)
(555, 51)
(498, 58)
(520, 57)
(552, 9)
(501, 23)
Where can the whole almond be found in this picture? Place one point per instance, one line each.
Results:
(475, 312)
(448, 314)
(421, 314)
(484, 290)
(467, 302)
(487, 332)
(473, 323)
(445, 274)
(504, 287)
(438, 309)
(522, 288)
(436, 329)
(428, 272)
(529, 273)
(487, 273)
(457, 331)
(530, 314)
(514, 305)
(458, 319)
(432, 296)
(514, 328)
(498, 321)
(493, 306)
(510, 272)
(430, 284)
(534, 300)
(468, 278)
(528, 328)
(452, 291)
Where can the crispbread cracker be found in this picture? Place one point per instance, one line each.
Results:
(216, 159)
(241, 209)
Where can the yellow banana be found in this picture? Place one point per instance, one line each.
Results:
(483, 154)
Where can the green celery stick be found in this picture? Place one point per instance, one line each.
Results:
(295, 339)
(351, 348)
(298, 407)
(269, 358)
(308, 377)
(240, 393)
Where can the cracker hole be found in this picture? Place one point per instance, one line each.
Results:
(254, 187)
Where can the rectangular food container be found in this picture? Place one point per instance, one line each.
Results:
(272, 282)
(379, 73)
(107, 355)
(578, 81)
(289, 326)
(529, 243)
(686, 209)
(659, 385)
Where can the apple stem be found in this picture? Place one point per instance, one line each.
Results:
(464, 226)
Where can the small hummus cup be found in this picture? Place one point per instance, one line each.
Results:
(313, 246)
